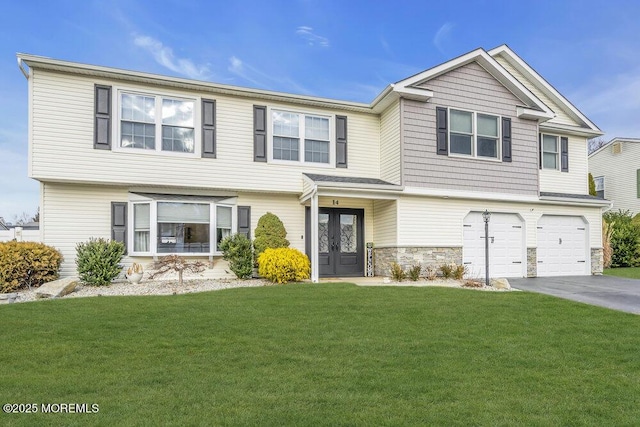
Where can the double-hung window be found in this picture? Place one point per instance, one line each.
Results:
(161, 227)
(599, 183)
(474, 134)
(150, 122)
(300, 137)
(550, 152)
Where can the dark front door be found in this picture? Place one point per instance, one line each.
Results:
(341, 242)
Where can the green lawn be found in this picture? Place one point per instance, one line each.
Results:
(628, 272)
(329, 354)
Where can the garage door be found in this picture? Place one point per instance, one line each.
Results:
(562, 246)
(506, 245)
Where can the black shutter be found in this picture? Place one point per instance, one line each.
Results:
(564, 154)
(119, 222)
(506, 139)
(102, 127)
(259, 133)
(442, 131)
(341, 141)
(244, 221)
(209, 128)
(540, 149)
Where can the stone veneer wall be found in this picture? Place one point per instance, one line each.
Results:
(409, 256)
(597, 261)
(532, 262)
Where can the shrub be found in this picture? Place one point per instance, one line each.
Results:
(625, 238)
(606, 244)
(414, 272)
(431, 272)
(98, 261)
(397, 272)
(458, 272)
(237, 250)
(177, 264)
(592, 186)
(447, 270)
(282, 265)
(27, 264)
(270, 233)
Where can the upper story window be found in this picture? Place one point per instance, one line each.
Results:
(474, 134)
(299, 137)
(550, 152)
(599, 181)
(157, 123)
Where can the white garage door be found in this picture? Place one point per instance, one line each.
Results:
(562, 246)
(506, 245)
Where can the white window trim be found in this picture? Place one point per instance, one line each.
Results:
(117, 113)
(558, 150)
(301, 161)
(153, 226)
(474, 136)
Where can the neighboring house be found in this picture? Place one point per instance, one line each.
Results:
(616, 171)
(170, 165)
(3, 226)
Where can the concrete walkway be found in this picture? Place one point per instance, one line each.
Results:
(604, 291)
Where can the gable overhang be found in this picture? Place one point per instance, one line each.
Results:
(540, 83)
(613, 141)
(570, 130)
(338, 186)
(534, 108)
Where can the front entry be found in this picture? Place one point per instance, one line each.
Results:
(340, 242)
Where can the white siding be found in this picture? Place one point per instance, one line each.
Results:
(424, 221)
(620, 175)
(390, 144)
(63, 143)
(385, 222)
(561, 116)
(575, 181)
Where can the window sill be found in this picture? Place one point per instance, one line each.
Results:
(480, 158)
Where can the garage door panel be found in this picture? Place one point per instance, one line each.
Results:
(562, 246)
(506, 245)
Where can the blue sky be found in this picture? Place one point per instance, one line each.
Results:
(589, 51)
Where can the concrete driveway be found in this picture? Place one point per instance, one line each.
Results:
(604, 291)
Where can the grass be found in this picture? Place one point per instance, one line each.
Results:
(627, 272)
(330, 354)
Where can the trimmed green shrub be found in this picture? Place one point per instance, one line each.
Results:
(27, 264)
(282, 265)
(625, 239)
(98, 261)
(270, 233)
(237, 250)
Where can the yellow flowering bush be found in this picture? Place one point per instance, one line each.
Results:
(282, 265)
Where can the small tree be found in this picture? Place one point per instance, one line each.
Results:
(270, 233)
(237, 250)
(177, 264)
(592, 186)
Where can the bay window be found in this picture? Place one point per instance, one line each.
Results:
(157, 123)
(163, 226)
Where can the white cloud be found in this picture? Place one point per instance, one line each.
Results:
(442, 36)
(312, 38)
(165, 57)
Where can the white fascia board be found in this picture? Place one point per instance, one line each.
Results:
(359, 194)
(541, 83)
(575, 202)
(472, 195)
(571, 130)
(355, 186)
(34, 61)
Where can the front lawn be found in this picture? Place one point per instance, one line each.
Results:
(329, 354)
(628, 272)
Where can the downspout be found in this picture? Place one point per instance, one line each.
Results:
(25, 73)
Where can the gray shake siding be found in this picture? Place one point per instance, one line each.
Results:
(470, 88)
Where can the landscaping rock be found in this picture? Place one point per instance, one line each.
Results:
(57, 288)
(8, 298)
(500, 283)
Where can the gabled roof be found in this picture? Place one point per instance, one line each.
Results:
(411, 87)
(545, 87)
(616, 139)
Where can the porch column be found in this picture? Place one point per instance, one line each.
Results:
(315, 272)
